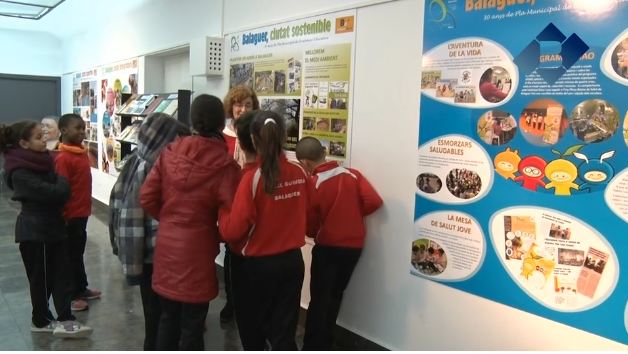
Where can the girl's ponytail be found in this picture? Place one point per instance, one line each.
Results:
(269, 135)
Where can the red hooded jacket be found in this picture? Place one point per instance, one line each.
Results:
(191, 180)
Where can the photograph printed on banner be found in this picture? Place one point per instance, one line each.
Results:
(429, 79)
(428, 257)
(309, 123)
(543, 122)
(429, 183)
(591, 272)
(464, 94)
(289, 110)
(311, 95)
(323, 91)
(294, 75)
(463, 183)
(496, 127)
(520, 235)
(339, 86)
(339, 126)
(594, 121)
(619, 58)
(280, 81)
(241, 74)
(264, 83)
(337, 148)
(445, 88)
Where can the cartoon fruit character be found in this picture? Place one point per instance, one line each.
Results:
(596, 173)
(531, 170)
(562, 172)
(506, 163)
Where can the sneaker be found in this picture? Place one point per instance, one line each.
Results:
(79, 305)
(72, 329)
(90, 294)
(49, 328)
(226, 314)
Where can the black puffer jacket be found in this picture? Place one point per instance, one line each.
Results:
(42, 196)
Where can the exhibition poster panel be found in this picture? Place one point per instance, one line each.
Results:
(115, 79)
(85, 104)
(302, 70)
(521, 191)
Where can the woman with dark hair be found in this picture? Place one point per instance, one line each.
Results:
(266, 226)
(132, 232)
(192, 179)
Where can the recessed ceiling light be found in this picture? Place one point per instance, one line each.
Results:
(27, 9)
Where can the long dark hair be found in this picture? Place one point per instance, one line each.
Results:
(269, 135)
(243, 131)
(208, 116)
(10, 135)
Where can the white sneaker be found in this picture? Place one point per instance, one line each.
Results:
(72, 329)
(49, 328)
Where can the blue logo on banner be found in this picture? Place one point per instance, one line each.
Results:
(570, 50)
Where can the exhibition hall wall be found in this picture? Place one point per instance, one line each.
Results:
(383, 302)
(30, 53)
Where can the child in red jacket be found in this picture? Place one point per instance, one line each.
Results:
(266, 225)
(344, 197)
(72, 163)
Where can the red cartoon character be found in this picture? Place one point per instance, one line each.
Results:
(532, 171)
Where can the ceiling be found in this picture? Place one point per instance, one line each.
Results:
(73, 16)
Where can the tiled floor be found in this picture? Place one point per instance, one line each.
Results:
(116, 318)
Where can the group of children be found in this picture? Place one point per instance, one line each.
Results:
(54, 189)
(231, 182)
(180, 195)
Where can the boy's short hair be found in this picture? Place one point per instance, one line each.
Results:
(65, 119)
(243, 131)
(309, 148)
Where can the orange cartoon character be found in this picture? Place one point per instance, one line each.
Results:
(506, 163)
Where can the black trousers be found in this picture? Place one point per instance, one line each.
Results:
(181, 325)
(267, 294)
(227, 270)
(152, 308)
(46, 267)
(77, 239)
(330, 273)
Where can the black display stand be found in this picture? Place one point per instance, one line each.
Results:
(181, 113)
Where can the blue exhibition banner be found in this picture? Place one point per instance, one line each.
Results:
(522, 183)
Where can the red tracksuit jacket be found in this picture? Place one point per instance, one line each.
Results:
(72, 163)
(259, 224)
(344, 197)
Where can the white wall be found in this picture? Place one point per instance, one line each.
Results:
(177, 72)
(150, 27)
(155, 25)
(30, 53)
(383, 302)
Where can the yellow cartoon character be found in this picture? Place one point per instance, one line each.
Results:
(532, 262)
(506, 163)
(561, 174)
